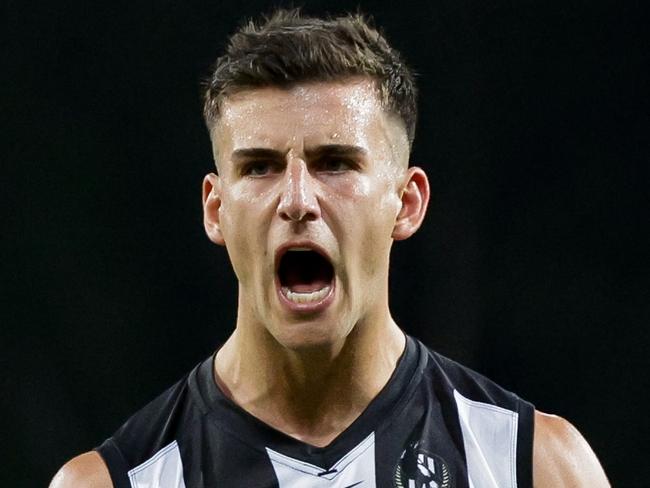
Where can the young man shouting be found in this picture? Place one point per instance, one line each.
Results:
(312, 122)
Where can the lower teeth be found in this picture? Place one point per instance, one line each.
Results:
(313, 296)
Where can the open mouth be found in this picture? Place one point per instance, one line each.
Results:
(305, 276)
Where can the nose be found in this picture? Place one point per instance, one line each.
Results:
(298, 201)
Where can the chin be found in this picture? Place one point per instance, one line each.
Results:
(309, 336)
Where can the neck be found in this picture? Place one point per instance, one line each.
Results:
(313, 394)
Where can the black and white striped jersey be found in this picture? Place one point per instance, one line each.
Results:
(435, 424)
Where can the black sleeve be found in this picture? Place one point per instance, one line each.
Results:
(117, 466)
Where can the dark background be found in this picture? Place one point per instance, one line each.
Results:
(531, 267)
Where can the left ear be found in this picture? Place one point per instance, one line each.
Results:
(415, 198)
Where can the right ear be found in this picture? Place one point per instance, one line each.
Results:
(211, 207)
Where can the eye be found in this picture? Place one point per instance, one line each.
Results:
(259, 168)
(336, 165)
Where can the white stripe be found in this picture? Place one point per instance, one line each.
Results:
(357, 466)
(490, 440)
(163, 470)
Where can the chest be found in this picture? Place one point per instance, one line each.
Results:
(422, 446)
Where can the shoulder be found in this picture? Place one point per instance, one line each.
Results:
(87, 470)
(465, 384)
(562, 457)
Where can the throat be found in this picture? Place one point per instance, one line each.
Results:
(312, 397)
(315, 416)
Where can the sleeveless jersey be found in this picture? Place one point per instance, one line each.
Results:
(436, 424)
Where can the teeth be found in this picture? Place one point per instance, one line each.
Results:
(313, 296)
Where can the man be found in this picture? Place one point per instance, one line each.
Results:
(312, 122)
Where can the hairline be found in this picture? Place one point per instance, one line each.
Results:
(224, 96)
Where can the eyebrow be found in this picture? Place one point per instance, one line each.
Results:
(317, 152)
(336, 150)
(257, 153)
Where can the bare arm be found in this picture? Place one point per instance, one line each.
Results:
(562, 457)
(85, 471)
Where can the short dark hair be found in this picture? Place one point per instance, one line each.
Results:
(288, 48)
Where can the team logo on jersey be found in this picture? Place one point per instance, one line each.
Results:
(418, 468)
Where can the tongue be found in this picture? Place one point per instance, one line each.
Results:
(299, 283)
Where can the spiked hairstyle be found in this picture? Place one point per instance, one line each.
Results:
(288, 48)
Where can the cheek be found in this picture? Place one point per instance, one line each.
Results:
(243, 230)
(243, 211)
(375, 242)
(236, 245)
(349, 187)
(371, 228)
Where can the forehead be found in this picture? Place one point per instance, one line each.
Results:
(347, 112)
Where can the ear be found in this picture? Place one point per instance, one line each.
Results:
(211, 206)
(415, 198)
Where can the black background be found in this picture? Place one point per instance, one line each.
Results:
(531, 267)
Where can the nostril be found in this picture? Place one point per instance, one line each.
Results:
(298, 204)
(298, 201)
(297, 214)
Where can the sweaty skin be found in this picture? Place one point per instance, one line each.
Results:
(321, 165)
(281, 184)
(562, 457)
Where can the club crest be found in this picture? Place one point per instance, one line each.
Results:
(418, 468)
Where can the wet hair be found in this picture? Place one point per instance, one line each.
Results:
(288, 48)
